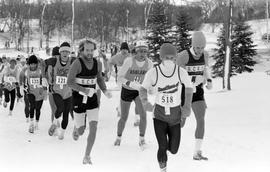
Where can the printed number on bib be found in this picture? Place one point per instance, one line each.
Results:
(35, 82)
(138, 79)
(197, 68)
(61, 80)
(167, 100)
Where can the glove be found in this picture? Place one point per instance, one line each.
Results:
(183, 121)
(185, 111)
(108, 94)
(135, 85)
(148, 106)
(209, 84)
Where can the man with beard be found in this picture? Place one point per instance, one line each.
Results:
(84, 75)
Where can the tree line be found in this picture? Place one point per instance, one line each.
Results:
(102, 20)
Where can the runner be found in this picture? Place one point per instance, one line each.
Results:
(131, 76)
(83, 77)
(57, 75)
(173, 92)
(35, 84)
(195, 61)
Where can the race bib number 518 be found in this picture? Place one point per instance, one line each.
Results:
(167, 99)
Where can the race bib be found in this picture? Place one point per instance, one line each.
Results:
(10, 79)
(167, 100)
(195, 69)
(61, 80)
(138, 79)
(34, 82)
(86, 81)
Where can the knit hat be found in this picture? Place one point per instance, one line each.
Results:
(32, 59)
(198, 39)
(167, 49)
(13, 59)
(65, 46)
(141, 43)
(55, 51)
(124, 46)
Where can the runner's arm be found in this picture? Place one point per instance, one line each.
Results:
(124, 69)
(100, 79)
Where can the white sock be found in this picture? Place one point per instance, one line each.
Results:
(55, 121)
(118, 137)
(62, 131)
(31, 121)
(198, 145)
(141, 138)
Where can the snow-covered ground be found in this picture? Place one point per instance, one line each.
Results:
(236, 139)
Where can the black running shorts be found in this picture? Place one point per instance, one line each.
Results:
(128, 95)
(80, 107)
(199, 94)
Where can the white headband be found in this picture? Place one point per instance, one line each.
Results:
(65, 48)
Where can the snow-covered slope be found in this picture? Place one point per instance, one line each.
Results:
(237, 129)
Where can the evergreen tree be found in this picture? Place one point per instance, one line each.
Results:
(182, 37)
(158, 29)
(242, 50)
(219, 55)
(243, 47)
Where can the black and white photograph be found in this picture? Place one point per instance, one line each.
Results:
(134, 85)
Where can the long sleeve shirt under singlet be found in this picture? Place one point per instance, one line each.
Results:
(76, 68)
(133, 67)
